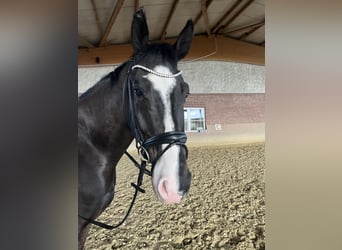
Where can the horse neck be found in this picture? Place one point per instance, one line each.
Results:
(105, 116)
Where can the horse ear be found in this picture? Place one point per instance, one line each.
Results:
(184, 40)
(139, 30)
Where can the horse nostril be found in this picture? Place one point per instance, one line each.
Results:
(163, 187)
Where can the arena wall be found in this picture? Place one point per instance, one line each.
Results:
(229, 117)
(202, 76)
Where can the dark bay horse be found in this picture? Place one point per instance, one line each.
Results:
(142, 99)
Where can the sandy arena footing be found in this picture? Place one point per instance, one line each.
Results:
(225, 208)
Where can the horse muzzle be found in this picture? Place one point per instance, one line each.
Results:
(171, 178)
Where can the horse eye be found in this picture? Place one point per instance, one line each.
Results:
(186, 95)
(138, 92)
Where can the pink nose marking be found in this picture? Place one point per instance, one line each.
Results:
(168, 193)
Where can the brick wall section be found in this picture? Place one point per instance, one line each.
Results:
(230, 108)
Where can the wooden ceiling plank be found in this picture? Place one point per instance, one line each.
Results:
(111, 21)
(96, 17)
(206, 18)
(201, 13)
(230, 10)
(227, 49)
(235, 16)
(244, 28)
(173, 8)
(136, 5)
(85, 42)
(248, 33)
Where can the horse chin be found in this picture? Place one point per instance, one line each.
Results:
(166, 191)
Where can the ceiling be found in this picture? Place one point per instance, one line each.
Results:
(106, 22)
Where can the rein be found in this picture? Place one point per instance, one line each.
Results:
(171, 139)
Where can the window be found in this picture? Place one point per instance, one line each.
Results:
(194, 119)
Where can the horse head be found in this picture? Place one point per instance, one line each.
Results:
(156, 95)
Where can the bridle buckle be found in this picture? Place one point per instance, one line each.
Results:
(144, 155)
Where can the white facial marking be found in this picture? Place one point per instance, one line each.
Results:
(168, 164)
(164, 87)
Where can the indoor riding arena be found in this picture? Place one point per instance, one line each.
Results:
(223, 120)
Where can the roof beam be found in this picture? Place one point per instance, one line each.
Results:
(96, 17)
(217, 25)
(248, 33)
(163, 34)
(262, 43)
(207, 4)
(206, 18)
(234, 17)
(85, 42)
(111, 22)
(136, 5)
(226, 49)
(244, 28)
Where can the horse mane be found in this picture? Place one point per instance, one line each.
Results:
(113, 76)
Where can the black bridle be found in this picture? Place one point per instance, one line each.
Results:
(143, 145)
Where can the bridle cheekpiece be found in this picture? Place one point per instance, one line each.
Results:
(170, 138)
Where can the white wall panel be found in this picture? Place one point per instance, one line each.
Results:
(202, 76)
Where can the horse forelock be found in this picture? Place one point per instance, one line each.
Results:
(157, 54)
